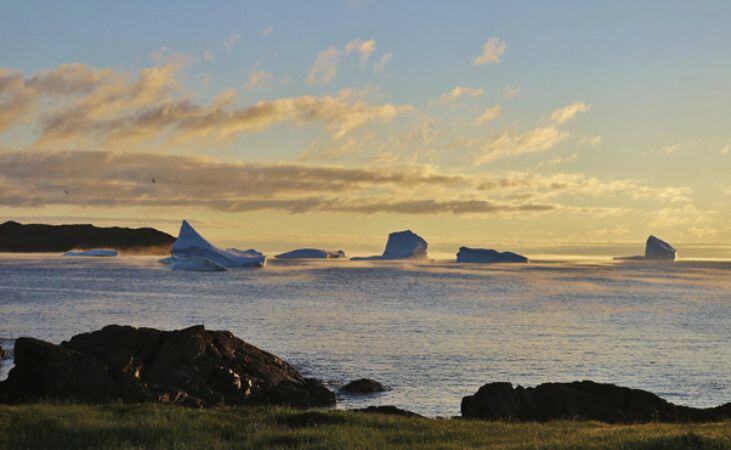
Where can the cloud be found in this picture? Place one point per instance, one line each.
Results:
(257, 78)
(510, 91)
(122, 179)
(726, 150)
(325, 67)
(569, 112)
(381, 63)
(678, 147)
(513, 143)
(117, 109)
(231, 41)
(492, 50)
(208, 55)
(489, 115)
(361, 47)
(266, 31)
(591, 141)
(461, 92)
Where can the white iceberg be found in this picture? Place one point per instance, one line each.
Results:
(166, 261)
(484, 255)
(402, 245)
(190, 244)
(655, 248)
(197, 264)
(92, 252)
(311, 253)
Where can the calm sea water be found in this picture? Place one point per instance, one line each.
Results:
(434, 331)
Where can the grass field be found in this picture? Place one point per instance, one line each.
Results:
(160, 426)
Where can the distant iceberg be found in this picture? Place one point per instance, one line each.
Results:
(190, 244)
(197, 264)
(483, 255)
(402, 245)
(313, 253)
(92, 252)
(655, 249)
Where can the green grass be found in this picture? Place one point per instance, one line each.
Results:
(152, 426)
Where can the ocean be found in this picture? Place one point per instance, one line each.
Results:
(432, 331)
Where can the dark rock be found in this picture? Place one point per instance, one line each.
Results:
(16, 237)
(388, 410)
(3, 353)
(363, 386)
(583, 400)
(194, 367)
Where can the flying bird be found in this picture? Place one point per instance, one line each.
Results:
(65, 191)
(153, 181)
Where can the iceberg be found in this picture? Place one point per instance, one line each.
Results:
(311, 253)
(92, 252)
(190, 244)
(402, 245)
(197, 264)
(166, 261)
(655, 249)
(658, 249)
(483, 255)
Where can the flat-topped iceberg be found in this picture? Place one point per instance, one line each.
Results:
(484, 255)
(190, 244)
(311, 253)
(655, 249)
(197, 264)
(402, 245)
(92, 252)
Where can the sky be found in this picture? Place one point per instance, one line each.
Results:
(512, 125)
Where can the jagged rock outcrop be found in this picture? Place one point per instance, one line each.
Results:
(483, 255)
(363, 386)
(193, 366)
(16, 237)
(402, 245)
(388, 410)
(582, 400)
(311, 253)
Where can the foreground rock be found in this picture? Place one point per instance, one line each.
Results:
(388, 410)
(311, 253)
(402, 245)
(655, 249)
(582, 400)
(483, 255)
(190, 244)
(363, 386)
(16, 237)
(3, 354)
(194, 367)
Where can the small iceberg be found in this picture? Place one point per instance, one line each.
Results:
(402, 245)
(484, 255)
(92, 252)
(166, 261)
(655, 249)
(197, 264)
(311, 253)
(190, 244)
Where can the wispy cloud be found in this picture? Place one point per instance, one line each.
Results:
(510, 91)
(266, 31)
(381, 63)
(231, 41)
(105, 107)
(258, 78)
(512, 142)
(364, 48)
(461, 92)
(489, 115)
(492, 50)
(325, 67)
(569, 112)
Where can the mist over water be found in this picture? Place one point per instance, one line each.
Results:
(433, 331)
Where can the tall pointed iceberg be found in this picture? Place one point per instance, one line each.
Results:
(190, 244)
(402, 245)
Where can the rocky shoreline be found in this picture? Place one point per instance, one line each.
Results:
(199, 368)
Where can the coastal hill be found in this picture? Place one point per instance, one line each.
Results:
(16, 237)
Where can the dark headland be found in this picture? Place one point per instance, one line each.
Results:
(36, 238)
